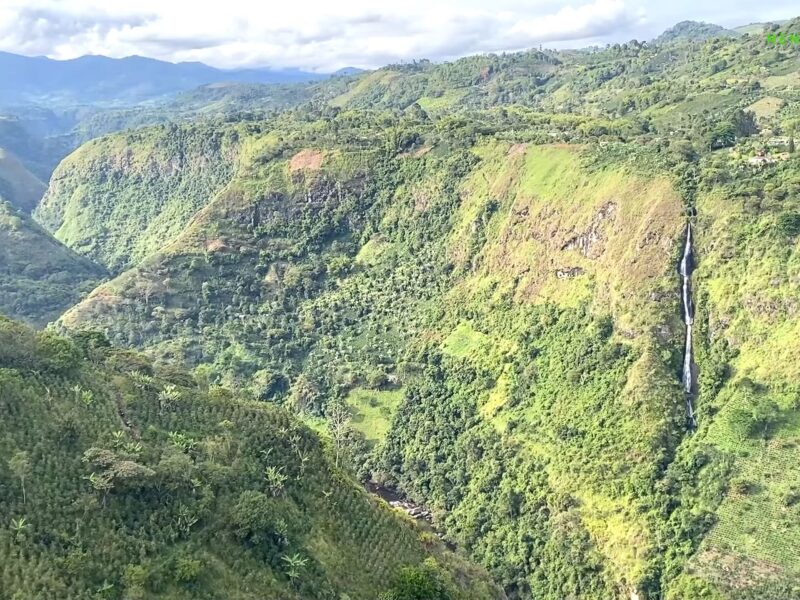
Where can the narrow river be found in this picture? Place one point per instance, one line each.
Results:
(420, 513)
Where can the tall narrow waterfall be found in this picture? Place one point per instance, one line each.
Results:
(686, 268)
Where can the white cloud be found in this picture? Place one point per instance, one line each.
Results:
(313, 34)
(328, 34)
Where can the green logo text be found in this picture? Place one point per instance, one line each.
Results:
(781, 38)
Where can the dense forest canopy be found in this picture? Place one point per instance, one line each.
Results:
(456, 280)
(126, 479)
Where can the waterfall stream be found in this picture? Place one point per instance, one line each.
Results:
(686, 268)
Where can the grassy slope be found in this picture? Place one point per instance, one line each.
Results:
(540, 210)
(546, 199)
(588, 221)
(183, 520)
(158, 178)
(373, 411)
(748, 278)
(39, 277)
(21, 187)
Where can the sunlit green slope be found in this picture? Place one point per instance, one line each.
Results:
(39, 277)
(120, 198)
(749, 287)
(123, 479)
(18, 185)
(343, 272)
(508, 301)
(477, 261)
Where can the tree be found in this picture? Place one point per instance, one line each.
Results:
(112, 471)
(185, 519)
(304, 395)
(419, 583)
(168, 396)
(376, 379)
(294, 564)
(182, 442)
(20, 465)
(84, 396)
(338, 425)
(276, 479)
(765, 414)
(722, 136)
(789, 224)
(92, 343)
(19, 527)
(744, 122)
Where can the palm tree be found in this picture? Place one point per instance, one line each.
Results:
(294, 564)
(182, 441)
(82, 395)
(166, 397)
(275, 479)
(141, 380)
(19, 527)
(185, 519)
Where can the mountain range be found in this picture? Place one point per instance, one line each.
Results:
(468, 286)
(99, 79)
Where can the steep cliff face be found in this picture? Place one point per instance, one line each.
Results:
(118, 199)
(553, 358)
(504, 323)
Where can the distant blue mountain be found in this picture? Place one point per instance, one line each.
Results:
(99, 79)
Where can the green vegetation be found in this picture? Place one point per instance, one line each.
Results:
(482, 278)
(747, 280)
(39, 277)
(692, 30)
(315, 316)
(122, 479)
(373, 411)
(158, 178)
(18, 185)
(30, 134)
(463, 276)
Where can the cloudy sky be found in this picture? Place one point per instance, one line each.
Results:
(324, 35)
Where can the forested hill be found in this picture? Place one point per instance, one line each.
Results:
(693, 30)
(685, 75)
(40, 278)
(122, 479)
(466, 275)
(466, 295)
(669, 80)
(158, 179)
(691, 69)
